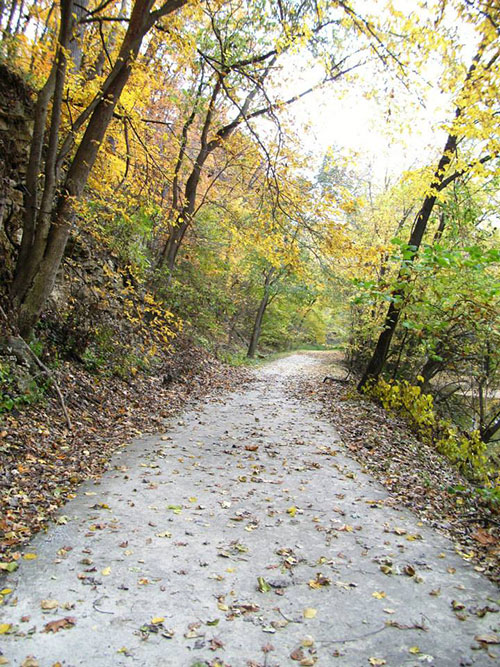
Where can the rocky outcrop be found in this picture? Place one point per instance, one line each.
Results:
(16, 106)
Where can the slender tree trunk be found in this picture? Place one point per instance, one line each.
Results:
(257, 326)
(429, 370)
(13, 7)
(185, 217)
(37, 219)
(488, 433)
(377, 361)
(75, 45)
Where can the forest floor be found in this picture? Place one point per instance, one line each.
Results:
(248, 535)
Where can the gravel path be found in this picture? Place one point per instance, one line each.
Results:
(245, 537)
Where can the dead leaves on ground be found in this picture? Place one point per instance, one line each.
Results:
(412, 471)
(60, 624)
(52, 461)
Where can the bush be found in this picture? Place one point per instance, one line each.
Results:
(467, 451)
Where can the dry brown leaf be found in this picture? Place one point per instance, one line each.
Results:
(60, 624)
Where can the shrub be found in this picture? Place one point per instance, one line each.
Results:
(465, 450)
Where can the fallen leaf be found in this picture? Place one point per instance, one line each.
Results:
(292, 511)
(483, 537)
(4, 628)
(379, 595)
(319, 582)
(377, 662)
(310, 612)
(488, 639)
(297, 654)
(60, 624)
(9, 567)
(30, 661)
(414, 650)
(157, 620)
(30, 557)
(106, 571)
(49, 604)
(262, 585)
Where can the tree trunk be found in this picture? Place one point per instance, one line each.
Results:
(42, 267)
(490, 431)
(377, 361)
(75, 45)
(257, 326)
(429, 370)
(439, 182)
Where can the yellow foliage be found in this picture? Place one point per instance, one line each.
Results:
(467, 452)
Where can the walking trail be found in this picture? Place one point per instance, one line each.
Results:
(245, 536)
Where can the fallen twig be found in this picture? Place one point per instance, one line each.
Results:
(16, 342)
(101, 611)
(354, 639)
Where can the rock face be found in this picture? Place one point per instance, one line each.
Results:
(16, 126)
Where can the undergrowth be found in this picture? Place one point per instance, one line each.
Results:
(465, 450)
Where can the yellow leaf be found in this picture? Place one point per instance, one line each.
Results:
(310, 612)
(377, 662)
(157, 619)
(223, 607)
(414, 650)
(192, 499)
(4, 628)
(30, 556)
(106, 571)
(292, 511)
(5, 591)
(379, 595)
(49, 604)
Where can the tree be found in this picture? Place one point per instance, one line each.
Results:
(474, 119)
(233, 77)
(48, 219)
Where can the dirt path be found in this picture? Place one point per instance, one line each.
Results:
(250, 493)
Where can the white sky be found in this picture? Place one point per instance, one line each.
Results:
(341, 116)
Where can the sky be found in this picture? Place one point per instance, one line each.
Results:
(369, 131)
